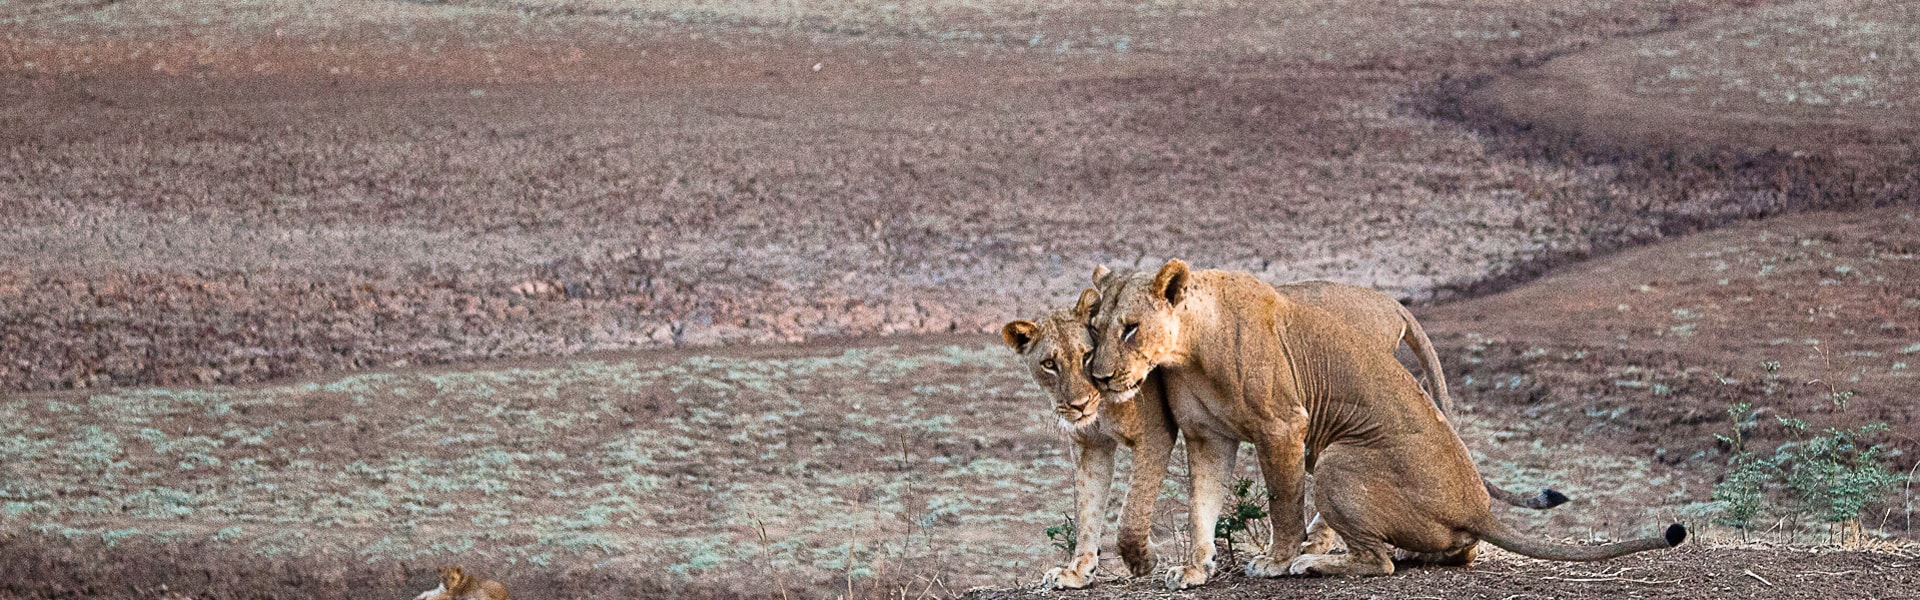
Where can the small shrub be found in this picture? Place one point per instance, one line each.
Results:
(1838, 473)
(1248, 507)
(1831, 476)
(1743, 493)
(1065, 536)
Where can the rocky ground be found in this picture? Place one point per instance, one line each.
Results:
(665, 215)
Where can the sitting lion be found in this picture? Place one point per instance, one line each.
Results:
(1055, 349)
(1238, 360)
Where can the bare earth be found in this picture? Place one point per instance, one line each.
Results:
(624, 298)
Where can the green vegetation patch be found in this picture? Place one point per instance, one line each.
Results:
(844, 459)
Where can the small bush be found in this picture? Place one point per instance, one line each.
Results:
(1065, 536)
(1838, 473)
(1831, 476)
(1248, 507)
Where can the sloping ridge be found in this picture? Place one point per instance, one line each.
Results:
(1722, 121)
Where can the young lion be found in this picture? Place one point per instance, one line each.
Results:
(456, 584)
(1055, 349)
(1241, 361)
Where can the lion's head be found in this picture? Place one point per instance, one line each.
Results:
(1134, 327)
(1055, 350)
(454, 578)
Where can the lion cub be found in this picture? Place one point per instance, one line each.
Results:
(456, 584)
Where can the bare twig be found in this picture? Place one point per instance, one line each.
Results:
(1909, 488)
(1757, 576)
(766, 552)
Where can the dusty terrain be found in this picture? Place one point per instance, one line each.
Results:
(1689, 572)
(261, 189)
(659, 240)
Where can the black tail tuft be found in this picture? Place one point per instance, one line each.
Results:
(1549, 498)
(1676, 533)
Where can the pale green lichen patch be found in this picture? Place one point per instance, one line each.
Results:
(671, 464)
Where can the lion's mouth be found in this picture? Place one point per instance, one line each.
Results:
(1115, 391)
(1078, 417)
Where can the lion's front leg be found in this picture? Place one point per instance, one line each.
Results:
(1143, 490)
(1091, 481)
(1283, 466)
(1208, 461)
(1076, 574)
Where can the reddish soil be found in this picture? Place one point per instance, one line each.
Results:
(1667, 337)
(197, 194)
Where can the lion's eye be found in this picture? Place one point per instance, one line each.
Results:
(1050, 366)
(1127, 334)
(1086, 362)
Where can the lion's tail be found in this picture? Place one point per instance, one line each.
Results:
(1545, 499)
(1499, 534)
(1416, 339)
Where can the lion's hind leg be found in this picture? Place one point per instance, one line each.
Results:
(1320, 537)
(1457, 558)
(1361, 559)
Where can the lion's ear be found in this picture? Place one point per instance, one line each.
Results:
(1084, 309)
(1100, 274)
(1171, 282)
(1020, 335)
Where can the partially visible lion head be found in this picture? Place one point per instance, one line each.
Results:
(455, 579)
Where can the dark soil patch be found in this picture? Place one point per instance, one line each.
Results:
(1685, 572)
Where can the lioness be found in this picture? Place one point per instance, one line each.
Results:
(1055, 349)
(1240, 361)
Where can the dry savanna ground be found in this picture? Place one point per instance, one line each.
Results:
(633, 298)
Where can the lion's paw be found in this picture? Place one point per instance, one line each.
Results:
(1321, 541)
(1073, 575)
(1267, 566)
(1183, 577)
(1313, 564)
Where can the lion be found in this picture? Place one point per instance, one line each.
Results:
(1238, 360)
(1055, 348)
(456, 584)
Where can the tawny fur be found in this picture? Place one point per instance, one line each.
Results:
(457, 584)
(1240, 361)
(1054, 347)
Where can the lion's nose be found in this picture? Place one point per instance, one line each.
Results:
(1102, 381)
